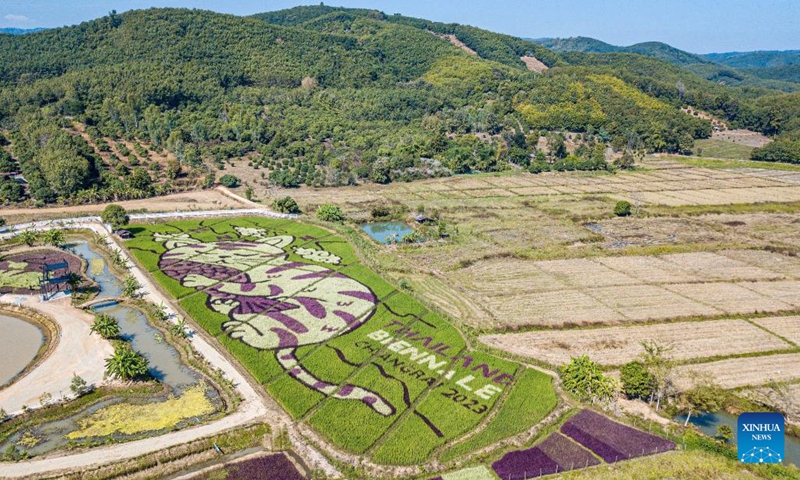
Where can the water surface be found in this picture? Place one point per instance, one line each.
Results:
(20, 341)
(387, 232)
(708, 423)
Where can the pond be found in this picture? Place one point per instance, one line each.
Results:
(164, 360)
(387, 232)
(709, 422)
(19, 344)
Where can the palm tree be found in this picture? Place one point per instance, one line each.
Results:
(107, 327)
(126, 364)
(29, 237)
(54, 237)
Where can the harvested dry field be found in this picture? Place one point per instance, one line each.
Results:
(786, 327)
(666, 182)
(615, 346)
(610, 290)
(742, 372)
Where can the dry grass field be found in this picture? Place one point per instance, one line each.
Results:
(786, 327)
(615, 346)
(608, 290)
(742, 372)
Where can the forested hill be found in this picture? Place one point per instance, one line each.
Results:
(657, 50)
(489, 45)
(735, 69)
(19, 31)
(151, 101)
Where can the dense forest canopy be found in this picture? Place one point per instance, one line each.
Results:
(155, 100)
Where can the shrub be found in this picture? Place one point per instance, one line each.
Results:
(583, 378)
(230, 181)
(622, 208)
(636, 380)
(116, 216)
(328, 212)
(126, 364)
(286, 205)
(105, 326)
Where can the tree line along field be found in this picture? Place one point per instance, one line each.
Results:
(367, 366)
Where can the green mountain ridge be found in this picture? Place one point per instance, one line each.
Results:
(327, 96)
(735, 69)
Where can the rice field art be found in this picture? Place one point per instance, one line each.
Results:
(365, 365)
(610, 440)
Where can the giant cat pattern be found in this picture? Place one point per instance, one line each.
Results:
(273, 303)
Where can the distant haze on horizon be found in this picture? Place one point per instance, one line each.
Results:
(694, 26)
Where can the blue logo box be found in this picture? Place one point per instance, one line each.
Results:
(761, 437)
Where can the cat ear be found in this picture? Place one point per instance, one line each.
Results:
(279, 241)
(173, 240)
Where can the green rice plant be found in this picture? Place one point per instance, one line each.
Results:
(295, 398)
(530, 400)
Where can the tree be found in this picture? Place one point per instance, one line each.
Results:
(77, 385)
(2, 222)
(54, 237)
(140, 180)
(328, 212)
(126, 364)
(105, 326)
(583, 378)
(626, 161)
(10, 190)
(230, 181)
(636, 381)
(704, 396)
(29, 237)
(115, 215)
(657, 361)
(622, 208)
(725, 433)
(286, 205)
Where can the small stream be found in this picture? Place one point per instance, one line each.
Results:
(164, 359)
(708, 423)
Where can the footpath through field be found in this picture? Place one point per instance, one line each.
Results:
(255, 406)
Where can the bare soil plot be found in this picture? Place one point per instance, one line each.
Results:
(534, 64)
(614, 346)
(742, 137)
(742, 372)
(455, 41)
(786, 327)
(197, 200)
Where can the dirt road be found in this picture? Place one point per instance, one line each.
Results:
(78, 352)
